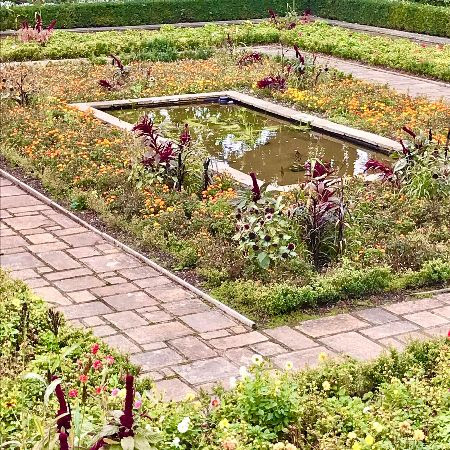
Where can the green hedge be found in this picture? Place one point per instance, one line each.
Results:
(143, 12)
(417, 17)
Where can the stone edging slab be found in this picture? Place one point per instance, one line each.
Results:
(226, 309)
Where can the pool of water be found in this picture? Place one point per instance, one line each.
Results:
(249, 141)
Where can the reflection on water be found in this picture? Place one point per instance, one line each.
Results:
(251, 141)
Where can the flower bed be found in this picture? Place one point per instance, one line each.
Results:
(172, 43)
(395, 232)
(399, 400)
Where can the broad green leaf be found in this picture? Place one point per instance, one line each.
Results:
(127, 443)
(50, 389)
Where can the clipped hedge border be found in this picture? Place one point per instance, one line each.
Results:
(415, 17)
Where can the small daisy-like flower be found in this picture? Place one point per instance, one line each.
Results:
(183, 426)
(175, 442)
(233, 382)
(352, 435)
(323, 356)
(224, 424)
(114, 392)
(369, 440)
(257, 359)
(243, 372)
(326, 386)
(288, 365)
(419, 435)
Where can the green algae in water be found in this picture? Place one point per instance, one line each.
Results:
(250, 141)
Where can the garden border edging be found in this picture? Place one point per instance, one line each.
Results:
(226, 309)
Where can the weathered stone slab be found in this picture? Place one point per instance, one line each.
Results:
(193, 348)
(121, 343)
(59, 260)
(173, 389)
(301, 358)
(106, 263)
(376, 316)
(207, 370)
(354, 345)
(125, 319)
(78, 283)
(331, 325)
(130, 300)
(291, 338)
(83, 239)
(426, 319)
(18, 261)
(156, 359)
(389, 329)
(186, 306)
(239, 340)
(207, 321)
(85, 310)
(52, 295)
(414, 306)
(159, 332)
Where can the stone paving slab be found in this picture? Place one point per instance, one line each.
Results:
(179, 340)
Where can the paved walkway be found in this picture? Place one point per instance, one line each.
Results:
(180, 341)
(407, 84)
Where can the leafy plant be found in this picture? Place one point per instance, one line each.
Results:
(38, 33)
(263, 229)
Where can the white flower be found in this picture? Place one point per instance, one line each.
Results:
(243, 372)
(288, 365)
(183, 426)
(233, 382)
(175, 442)
(366, 410)
(326, 386)
(377, 427)
(257, 359)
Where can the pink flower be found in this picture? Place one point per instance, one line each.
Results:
(97, 364)
(138, 404)
(215, 402)
(114, 392)
(84, 378)
(95, 348)
(110, 360)
(98, 390)
(73, 393)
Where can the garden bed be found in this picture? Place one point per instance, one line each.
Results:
(171, 43)
(396, 234)
(400, 399)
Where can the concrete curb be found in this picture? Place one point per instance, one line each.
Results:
(226, 309)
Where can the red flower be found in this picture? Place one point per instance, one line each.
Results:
(215, 402)
(73, 393)
(110, 360)
(95, 348)
(84, 378)
(97, 364)
(448, 334)
(98, 390)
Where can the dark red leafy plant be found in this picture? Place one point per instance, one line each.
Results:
(377, 166)
(276, 82)
(160, 150)
(250, 58)
(106, 84)
(256, 191)
(38, 33)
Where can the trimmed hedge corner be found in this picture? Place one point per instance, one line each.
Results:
(408, 16)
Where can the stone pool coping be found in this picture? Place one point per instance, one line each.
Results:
(327, 127)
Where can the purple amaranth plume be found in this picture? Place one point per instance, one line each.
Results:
(298, 55)
(63, 423)
(272, 82)
(185, 137)
(38, 22)
(250, 58)
(318, 169)
(409, 131)
(126, 420)
(273, 15)
(63, 442)
(255, 189)
(373, 164)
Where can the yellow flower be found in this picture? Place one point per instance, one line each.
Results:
(377, 427)
(356, 446)
(189, 397)
(224, 423)
(323, 356)
(369, 440)
(419, 435)
(326, 386)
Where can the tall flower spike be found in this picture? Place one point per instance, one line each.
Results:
(63, 443)
(63, 423)
(126, 420)
(256, 191)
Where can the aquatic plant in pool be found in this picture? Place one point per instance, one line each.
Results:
(251, 141)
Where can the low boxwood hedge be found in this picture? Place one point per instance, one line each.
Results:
(409, 16)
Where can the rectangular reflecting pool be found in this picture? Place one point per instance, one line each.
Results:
(251, 141)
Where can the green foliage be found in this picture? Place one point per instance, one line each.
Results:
(169, 44)
(401, 399)
(400, 15)
(420, 16)
(262, 301)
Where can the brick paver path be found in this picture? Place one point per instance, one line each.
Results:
(177, 338)
(407, 84)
